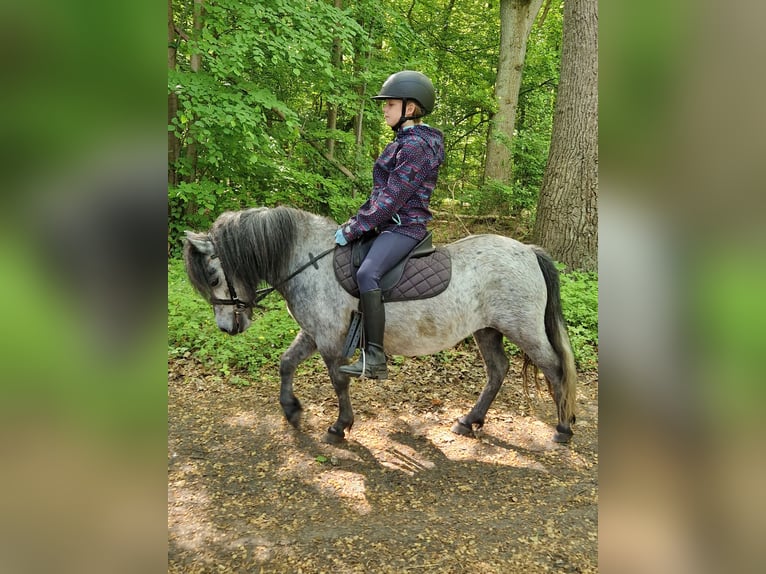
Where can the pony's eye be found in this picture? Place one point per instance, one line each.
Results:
(215, 282)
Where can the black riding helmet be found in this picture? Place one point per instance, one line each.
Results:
(409, 85)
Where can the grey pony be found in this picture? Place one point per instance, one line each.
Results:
(500, 288)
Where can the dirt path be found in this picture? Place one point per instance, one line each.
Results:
(247, 493)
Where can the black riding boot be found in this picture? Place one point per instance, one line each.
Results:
(372, 362)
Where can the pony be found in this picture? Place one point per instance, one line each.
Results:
(499, 288)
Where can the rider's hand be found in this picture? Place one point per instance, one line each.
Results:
(340, 239)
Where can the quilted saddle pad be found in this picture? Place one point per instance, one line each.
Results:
(423, 277)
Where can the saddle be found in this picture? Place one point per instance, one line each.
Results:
(425, 272)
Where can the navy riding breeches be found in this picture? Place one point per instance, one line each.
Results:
(388, 249)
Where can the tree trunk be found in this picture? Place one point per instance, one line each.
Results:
(174, 146)
(516, 19)
(361, 67)
(195, 63)
(359, 131)
(196, 57)
(567, 212)
(332, 109)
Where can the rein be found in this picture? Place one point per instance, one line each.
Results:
(261, 294)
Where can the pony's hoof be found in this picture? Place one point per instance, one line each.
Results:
(562, 437)
(295, 419)
(293, 412)
(463, 429)
(333, 436)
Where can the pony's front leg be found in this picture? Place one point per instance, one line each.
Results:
(337, 432)
(302, 347)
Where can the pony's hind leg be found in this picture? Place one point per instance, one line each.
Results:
(299, 350)
(561, 381)
(336, 433)
(490, 343)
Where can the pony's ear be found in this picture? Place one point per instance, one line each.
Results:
(201, 242)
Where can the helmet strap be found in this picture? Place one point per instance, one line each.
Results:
(404, 117)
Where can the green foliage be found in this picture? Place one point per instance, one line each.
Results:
(579, 299)
(251, 118)
(497, 198)
(530, 155)
(194, 206)
(342, 206)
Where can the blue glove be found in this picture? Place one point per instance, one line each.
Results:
(340, 239)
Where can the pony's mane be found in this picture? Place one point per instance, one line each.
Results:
(254, 245)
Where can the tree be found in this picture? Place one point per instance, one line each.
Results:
(195, 65)
(516, 18)
(174, 144)
(332, 108)
(567, 213)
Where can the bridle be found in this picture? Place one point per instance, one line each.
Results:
(241, 306)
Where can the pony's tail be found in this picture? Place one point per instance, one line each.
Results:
(556, 330)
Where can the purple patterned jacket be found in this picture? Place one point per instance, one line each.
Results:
(404, 177)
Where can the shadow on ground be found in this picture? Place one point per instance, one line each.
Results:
(247, 493)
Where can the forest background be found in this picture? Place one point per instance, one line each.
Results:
(270, 103)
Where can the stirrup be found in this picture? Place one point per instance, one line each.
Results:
(377, 371)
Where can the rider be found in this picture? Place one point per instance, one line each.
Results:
(404, 177)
